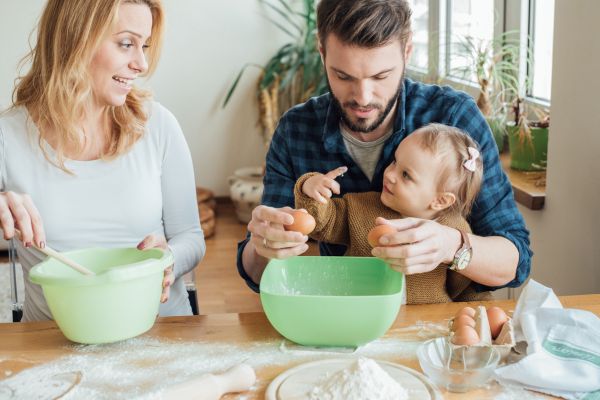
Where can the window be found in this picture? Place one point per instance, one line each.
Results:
(442, 27)
(420, 27)
(541, 27)
(471, 20)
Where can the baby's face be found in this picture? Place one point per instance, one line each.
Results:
(410, 183)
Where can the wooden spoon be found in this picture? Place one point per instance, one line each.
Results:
(60, 257)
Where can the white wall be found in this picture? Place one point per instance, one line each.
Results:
(206, 44)
(566, 234)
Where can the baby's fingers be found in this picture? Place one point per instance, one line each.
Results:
(334, 173)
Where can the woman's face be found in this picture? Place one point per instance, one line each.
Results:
(121, 56)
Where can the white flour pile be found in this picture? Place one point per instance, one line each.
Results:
(364, 379)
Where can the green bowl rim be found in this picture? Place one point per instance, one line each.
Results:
(132, 271)
(378, 260)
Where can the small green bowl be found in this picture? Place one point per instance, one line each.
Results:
(119, 302)
(331, 301)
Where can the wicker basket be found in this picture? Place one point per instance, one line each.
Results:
(207, 210)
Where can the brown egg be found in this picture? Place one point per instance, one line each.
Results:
(377, 232)
(465, 335)
(303, 222)
(470, 311)
(496, 317)
(462, 320)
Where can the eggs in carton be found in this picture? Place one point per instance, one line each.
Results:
(492, 327)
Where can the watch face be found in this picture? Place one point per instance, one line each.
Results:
(463, 259)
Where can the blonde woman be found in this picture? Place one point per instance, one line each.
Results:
(86, 158)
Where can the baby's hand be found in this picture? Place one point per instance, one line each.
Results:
(321, 187)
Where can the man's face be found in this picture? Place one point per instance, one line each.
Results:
(365, 83)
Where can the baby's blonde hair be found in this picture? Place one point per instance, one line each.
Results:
(451, 145)
(57, 87)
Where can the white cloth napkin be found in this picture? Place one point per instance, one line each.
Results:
(563, 347)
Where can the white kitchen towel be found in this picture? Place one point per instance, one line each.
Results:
(563, 347)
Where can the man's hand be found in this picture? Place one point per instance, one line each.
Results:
(321, 187)
(269, 237)
(418, 246)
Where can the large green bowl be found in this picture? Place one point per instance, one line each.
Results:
(119, 302)
(331, 301)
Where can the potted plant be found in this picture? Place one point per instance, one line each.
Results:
(494, 63)
(291, 76)
(294, 73)
(528, 139)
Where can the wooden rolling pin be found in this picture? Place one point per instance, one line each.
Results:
(213, 386)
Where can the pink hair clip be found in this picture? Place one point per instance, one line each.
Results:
(470, 163)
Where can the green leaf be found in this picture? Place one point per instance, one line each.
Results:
(284, 4)
(285, 16)
(283, 28)
(236, 81)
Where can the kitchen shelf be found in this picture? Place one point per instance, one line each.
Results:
(529, 187)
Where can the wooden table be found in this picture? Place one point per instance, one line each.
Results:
(24, 345)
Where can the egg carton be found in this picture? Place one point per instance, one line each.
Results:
(504, 343)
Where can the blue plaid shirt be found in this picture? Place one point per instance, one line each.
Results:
(308, 139)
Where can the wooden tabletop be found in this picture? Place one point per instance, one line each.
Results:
(26, 345)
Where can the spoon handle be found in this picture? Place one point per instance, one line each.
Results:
(55, 254)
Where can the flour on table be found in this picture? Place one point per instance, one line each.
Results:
(142, 367)
(364, 379)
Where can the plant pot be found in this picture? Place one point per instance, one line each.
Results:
(528, 155)
(246, 188)
(498, 128)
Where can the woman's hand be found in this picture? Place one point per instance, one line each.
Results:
(418, 245)
(159, 241)
(18, 211)
(321, 187)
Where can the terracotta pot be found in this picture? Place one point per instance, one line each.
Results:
(246, 188)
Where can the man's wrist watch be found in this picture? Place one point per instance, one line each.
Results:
(462, 258)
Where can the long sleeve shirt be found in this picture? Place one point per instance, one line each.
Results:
(148, 190)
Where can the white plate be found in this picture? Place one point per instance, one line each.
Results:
(297, 383)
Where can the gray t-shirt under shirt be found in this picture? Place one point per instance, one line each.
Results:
(365, 154)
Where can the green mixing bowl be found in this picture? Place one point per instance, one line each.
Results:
(119, 302)
(331, 301)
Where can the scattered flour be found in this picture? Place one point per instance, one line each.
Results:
(364, 379)
(141, 368)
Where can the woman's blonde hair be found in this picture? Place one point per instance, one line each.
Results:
(57, 87)
(451, 145)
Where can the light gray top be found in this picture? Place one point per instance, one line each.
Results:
(148, 190)
(365, 154)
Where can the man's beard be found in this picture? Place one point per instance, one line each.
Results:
(361, 125)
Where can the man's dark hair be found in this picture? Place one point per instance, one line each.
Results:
(364, 23)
